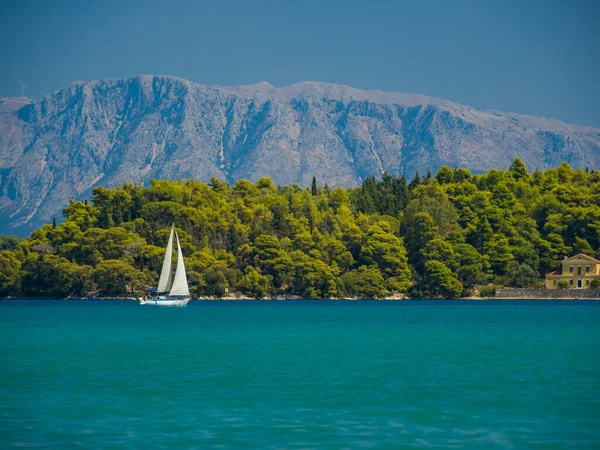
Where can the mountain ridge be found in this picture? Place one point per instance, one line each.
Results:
(129, 130)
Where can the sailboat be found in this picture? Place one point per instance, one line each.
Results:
(171, 291)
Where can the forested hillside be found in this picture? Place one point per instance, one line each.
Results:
(436, 236)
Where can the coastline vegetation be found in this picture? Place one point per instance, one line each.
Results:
(436, 236)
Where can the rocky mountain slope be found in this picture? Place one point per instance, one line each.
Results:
(130, 130)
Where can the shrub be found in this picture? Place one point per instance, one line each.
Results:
(468, 292)
(563, 284)
(487, 291)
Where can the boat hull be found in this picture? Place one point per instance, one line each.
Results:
(165, 302)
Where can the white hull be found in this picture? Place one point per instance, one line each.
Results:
(171, 291)
(166, 302)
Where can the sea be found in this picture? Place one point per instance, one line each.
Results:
(300, 375)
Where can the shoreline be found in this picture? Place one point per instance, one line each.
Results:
(245, 299)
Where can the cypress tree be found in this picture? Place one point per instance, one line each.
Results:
(314, 186)
(54, 222)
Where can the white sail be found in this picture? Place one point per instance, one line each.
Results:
(166, 275)
(180, 285)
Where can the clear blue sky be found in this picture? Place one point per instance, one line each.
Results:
(531, 57)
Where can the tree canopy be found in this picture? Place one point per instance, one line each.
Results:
(439, 235)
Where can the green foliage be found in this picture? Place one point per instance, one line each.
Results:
(471, 264)
(497, 249)
(10, 273)
(438, 249)
(439, 235)
(386, 197)
(441, 280)
(9, 242)
(254, 284)
(115, 277)
(366, 282)
(386, 251)
(312, 278)
(487, 291)
(445, 175)
(563, 284)
(46, 275)
(522, 275)
(518, 169)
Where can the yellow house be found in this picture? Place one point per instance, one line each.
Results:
(578, 271)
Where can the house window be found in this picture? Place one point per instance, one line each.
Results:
(587, 282)
(578, 270)
(587, 269)
(555, 283)
(571, 269)
(571, 282)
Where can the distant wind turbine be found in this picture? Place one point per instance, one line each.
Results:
(23, 86)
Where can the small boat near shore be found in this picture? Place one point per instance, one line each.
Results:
(171, 290)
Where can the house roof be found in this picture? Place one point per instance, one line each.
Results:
(554, 272)
(583, 255)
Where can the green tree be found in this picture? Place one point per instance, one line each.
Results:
(471, 264)
(518, 169)
(437, 249)
(416, 181)
(431, 198)
(116, 277)
(365, 282)
(9, 242)
(418, 231)
(499, 255)
(47, 275)
(522, 275)
(312, 278)
(441, 280)
(10, 273)
(254, 284)
(387, 251)
(445, 175)
(271, 259)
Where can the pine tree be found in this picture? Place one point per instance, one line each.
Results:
(401, 191)
(518, 169)
(415, 181)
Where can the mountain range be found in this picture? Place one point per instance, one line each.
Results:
(130, 130)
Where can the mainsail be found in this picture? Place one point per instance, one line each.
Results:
(180, 285)
(166, 275)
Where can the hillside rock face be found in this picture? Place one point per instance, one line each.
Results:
(130, 130)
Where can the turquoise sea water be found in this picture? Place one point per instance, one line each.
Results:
(319, 375)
